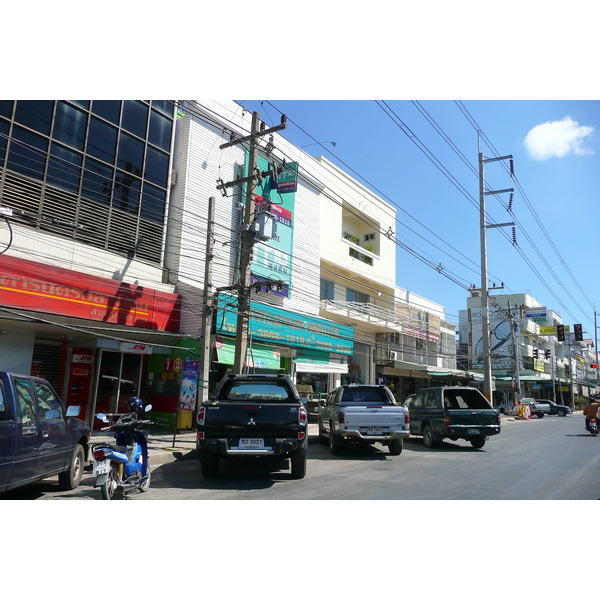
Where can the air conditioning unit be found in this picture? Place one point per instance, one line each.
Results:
(393, 355)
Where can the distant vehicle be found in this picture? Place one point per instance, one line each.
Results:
(536, 407)
(453, 412)
(362, 413)
(253, 416)
(38, 437)
(555, 409)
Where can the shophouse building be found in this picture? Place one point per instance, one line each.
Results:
(84, 194)
(527, 358)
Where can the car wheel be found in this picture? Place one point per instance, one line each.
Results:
(428, 437)
(395, 447)
(335, 442)
(478, 442)
(71, 478)
(540, 415)
(561, 413)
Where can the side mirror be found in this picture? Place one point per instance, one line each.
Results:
(148, 408)
(73, 410)
(102, 417)
(322, 402)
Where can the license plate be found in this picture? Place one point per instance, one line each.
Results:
(374, 430)
(473, 431)
(102, 467)
(252, 443)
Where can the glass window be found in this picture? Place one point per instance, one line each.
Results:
(160, 131)
(27, 153)
(166, 106)
(27, 414)
(6, 108)
(157, 167)
(326, 290)
(135, 117)
(97, 181)
(64, 167)
(70, 124)
(35, 114)
(127, 192)
(83, 103)
(356, 296)
(102, 140)
(4, 126)
(131, 154)
(153, 203)
(49, 405)
(107, 109)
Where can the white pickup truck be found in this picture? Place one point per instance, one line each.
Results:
(537, 409)
(362, 413)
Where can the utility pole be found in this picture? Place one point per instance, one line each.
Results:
(516, 351)
(485, 321)
(203, 382)
(247, 233)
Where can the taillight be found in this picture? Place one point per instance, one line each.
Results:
(446, 420)
(201, 415)
(341, 418)
(101, 453)
(407, 417)
(302, 421)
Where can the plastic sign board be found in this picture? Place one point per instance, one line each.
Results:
(551, 330)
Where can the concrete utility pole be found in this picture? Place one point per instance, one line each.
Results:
(516, 350)
(485, 319)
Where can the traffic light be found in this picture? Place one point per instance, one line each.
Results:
(560, 333)
(547, 353)
(578, 332)
(536, 353)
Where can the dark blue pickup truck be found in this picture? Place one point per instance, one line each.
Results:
(38, 437)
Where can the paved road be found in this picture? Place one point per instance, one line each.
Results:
(550, 458)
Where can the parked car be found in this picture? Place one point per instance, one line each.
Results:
(453, 412)
(536, 407)
(362, 413)
(555, 409)
(38, 437)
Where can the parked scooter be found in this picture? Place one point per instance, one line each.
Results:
(126, 462)
(593, 426)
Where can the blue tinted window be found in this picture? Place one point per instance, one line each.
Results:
(3, 139)
(97, 181)
(27, 153)
(35, 114)
(64, 167)
(102, 140)
(157, 167)
(153, 203)
(6, 107)
(69, 125)
(165, 106)
(135, 117)
(130, 157)
(127, 192)
(160, 131)
(82, 103)
(107, 109)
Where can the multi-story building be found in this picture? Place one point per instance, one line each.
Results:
(84, 189)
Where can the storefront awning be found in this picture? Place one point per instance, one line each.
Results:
(320, 362)
(259, 357)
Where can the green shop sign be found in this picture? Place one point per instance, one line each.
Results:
(269, 323)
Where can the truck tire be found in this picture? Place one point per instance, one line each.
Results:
(335, 442)
(298, 464)
(395, 447)
(71, 478)
(429, 438)
(477, 442)
(561, 412)
(209, 464)
(540, 415)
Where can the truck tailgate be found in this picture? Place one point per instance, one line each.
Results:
(473, 417)
(371, 416)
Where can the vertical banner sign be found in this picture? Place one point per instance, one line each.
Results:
(273, 258)
(189, 385)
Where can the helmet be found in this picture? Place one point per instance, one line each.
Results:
(135, 405)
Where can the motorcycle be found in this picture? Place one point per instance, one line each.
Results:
(126, 462)
(593, 426)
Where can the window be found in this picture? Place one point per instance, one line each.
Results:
(153, 203)
(356, 296)
(27, 153)
(160, 131)
(64, 167)
(5, 409)
(35, 114)
(27, 414)
(131, 154)
(97, 181)
(326, 289)
(70, 125)
(157, 167)
(135, 117)
(127, 192)
(49, 405)
(102, 141)
(107, 109)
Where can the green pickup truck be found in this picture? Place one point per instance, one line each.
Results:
(452, 412)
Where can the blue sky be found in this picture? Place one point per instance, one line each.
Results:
(421, 156)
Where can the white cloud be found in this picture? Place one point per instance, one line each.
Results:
(557, 139)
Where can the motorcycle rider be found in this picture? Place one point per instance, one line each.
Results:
(590, 410)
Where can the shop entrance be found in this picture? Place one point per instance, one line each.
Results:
(119, 379)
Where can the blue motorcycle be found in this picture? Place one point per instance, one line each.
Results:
(126, 462)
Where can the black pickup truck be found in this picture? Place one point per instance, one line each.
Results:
(253, 415)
